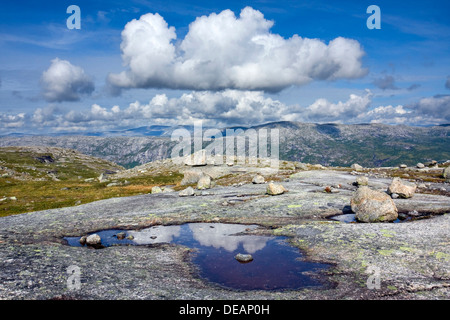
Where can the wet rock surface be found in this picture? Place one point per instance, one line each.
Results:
(412, 257)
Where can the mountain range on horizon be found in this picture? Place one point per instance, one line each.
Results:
(371, 145)
(166, 130)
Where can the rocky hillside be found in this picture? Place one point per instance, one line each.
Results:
(371, 145)
(51, 164)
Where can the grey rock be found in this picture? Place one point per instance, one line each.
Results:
(204, 182)
(404, 189)
(356, 167)
(113, 184)
(167, 189)
(156, 189)
(420, 165)
(301, 166)
(191, 177)
(189, 191)
(373, 206)
(275, 189)
(362, 181)
(83, 240)
(93, 239)
(446, 173)
(258, 179)
(243, 257)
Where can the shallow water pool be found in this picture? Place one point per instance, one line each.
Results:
(275, 266)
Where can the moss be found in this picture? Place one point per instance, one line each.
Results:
(442, 256)
(393, 288)
(387, 233)
(385, 252)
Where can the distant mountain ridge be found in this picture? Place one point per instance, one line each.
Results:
(370, 145)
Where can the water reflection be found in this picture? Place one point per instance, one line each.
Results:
(158, 234)
(275, 265)
(223, 236)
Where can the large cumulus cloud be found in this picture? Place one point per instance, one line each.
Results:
(222, 51)
(63, 81)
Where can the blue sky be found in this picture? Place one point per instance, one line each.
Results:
(310, 61)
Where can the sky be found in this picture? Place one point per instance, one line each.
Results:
(143, 62)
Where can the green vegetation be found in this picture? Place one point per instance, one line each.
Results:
(33, 181)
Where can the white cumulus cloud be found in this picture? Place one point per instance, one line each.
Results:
(222, 51)
(63, 81)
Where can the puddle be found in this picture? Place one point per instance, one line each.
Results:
(275, 266)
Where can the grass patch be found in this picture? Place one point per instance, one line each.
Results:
(27, 181)
(43, 195)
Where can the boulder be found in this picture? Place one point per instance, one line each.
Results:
(403, 166)
(258, 179)
(356, 167)
(420, 165)
(362, 181)
(204, 182)
(446, 173)
(404, 189)
(191, 177)
(93, 239)
(189, 191)
(275, 189)
(373, 206)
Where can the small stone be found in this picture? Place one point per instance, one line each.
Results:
(357, 167)
(121, 235)
(420, 165)
(258, 179)
(275, 189)
(156, 189)
(130, 237)
(189, 191)
(113, 184)
(83, 240)
(403, 166)
(167, 189)
(243, 257)
(394, 195)
(93, 239)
